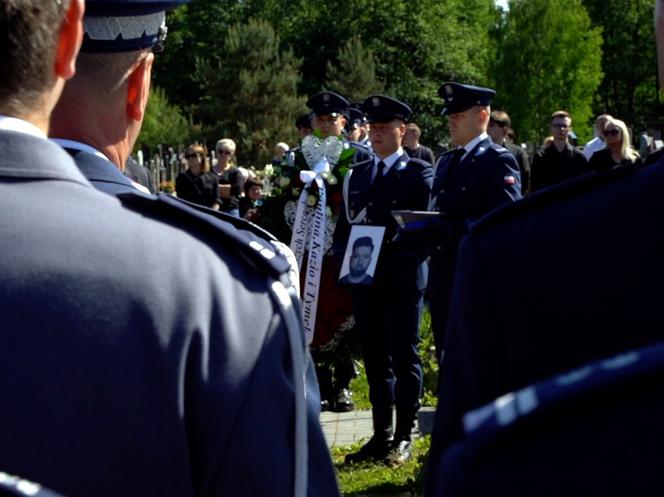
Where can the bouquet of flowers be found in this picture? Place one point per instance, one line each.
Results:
(286, 182)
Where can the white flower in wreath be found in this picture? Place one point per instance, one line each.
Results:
(311, 200)
(283, 181)
(328, 211)
(268, 170)
(314, 149)
(290, 210)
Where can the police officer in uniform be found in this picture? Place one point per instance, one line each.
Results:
(100, 139)
(388, 313)
(303, 125)
(592, 270)
(135, 376)
(334, 365)
(470, 181)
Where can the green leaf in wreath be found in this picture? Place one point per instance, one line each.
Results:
(347, 153)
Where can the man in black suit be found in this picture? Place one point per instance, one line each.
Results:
(388, 313)
(589, 287)
(470, 181)
(119, 377)
(413, 147)
(560, 160)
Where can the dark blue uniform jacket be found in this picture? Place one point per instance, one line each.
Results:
(405, 187)
(173, 372)
(587, 285)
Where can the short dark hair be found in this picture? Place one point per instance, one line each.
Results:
(29, 31)
(363, 241)
(252, 182)
(561, 114)
(501, 118)
(415, 127)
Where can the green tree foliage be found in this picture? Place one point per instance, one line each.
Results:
(629, 89)
(354, 75)
(549, 58)
(195, 30)
(416, 47)
(250, 95)
(164, 123)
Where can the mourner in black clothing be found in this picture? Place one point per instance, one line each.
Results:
(252, 200)
(499, 127)
(198, 184)
(558, 161)
(231, 178)
(412, 147)
(618, 152)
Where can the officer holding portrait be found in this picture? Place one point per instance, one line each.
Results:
(388, 312)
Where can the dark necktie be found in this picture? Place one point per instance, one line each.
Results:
(380, 167)
(455, 160)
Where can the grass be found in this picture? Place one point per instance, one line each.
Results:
(378, 480)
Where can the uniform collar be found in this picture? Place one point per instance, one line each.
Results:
(81, 147)
(28, 156)
(474, 143)
(8, 123)
(389, 161)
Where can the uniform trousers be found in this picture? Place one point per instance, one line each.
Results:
(387, 318)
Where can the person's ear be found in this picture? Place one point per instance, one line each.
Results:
(138, 87)
(402, 130)
(69, 40)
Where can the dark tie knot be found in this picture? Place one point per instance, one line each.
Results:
(380, 169)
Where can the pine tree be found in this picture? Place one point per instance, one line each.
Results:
(163, 124)
(354, 76)
(252, 96)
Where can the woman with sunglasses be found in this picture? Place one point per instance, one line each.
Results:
(198, 184)
(618, 153)
(231, 181)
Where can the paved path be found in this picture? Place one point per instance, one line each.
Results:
(347, 428)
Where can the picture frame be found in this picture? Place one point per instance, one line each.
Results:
(361, 255)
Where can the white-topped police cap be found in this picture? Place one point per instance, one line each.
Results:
(459, 97)
(125, 25)
(380, 108)
(327, 103)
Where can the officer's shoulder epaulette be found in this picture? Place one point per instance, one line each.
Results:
(360, 147)
(362, 163)
(214, 229)
(561, 192)
(421, 164)
(237, 222)
(498, 148)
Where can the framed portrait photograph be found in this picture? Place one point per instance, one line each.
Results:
(361, 255)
